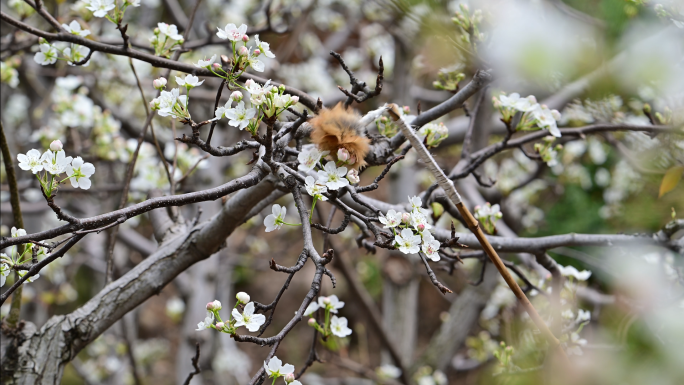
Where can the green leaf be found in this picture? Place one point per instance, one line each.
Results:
(670, 180)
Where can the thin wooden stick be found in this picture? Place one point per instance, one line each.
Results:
(448, 186)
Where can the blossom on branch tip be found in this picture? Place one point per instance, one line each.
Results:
(333, 176)
(242, 297)
(264, 47)
(47, 55)
(275, 221)
(55, 163)
(100, 7)
(331, 303)
(190, 81)
(31, 161)
(232, 32)
(79, 173)
(205, 63)
(169, 30)
(391, 219)
(159, 83)
(75, 28)
(407, 242)
(314, 189)
(275, 368)
(208, 321)
(338, 326)
(431, 247)
(248, 319)
(546, 119)
(309, 158)
(239, 116)
(417, 205)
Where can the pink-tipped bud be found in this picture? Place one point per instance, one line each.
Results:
(236, 96)
(326, 300)
(257, 52)
(159, 83)
(219, 326)
(289, 377)
(420, 227)
(56, 145)
(407, 109)
(243, 51)
(295, 99)
(312, 322)
(245, 38)
(343, 154)
(242, 297)
(210, 306)
(406, 217)
(216, 66)
(249, 82)
(352, 160)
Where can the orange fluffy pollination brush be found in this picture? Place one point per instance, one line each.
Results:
(338, 128)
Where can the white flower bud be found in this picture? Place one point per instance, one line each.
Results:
(217, 305)
(56, 146)
(243, 51)
(312, 322)
(294, 99)
(236, 96)
(219, 326)
(159, 83)
(249, 82)
(210, 306)
(289, 377)
(242, 297)
(353, 176)
(406, 217)
(326, 300)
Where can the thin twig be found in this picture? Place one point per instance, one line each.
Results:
(195, 364)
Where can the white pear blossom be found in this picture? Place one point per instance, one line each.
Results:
(546, 119)
(583, 316)
(232, 32)
(420, 222)
(4, 269)
(333, 176)
(31, 161)
(256, 64)
(338, 326)
(486, 211)
(257, 92)
(76, 54)
(132, 3)
(208, 321)
(391, 219)
(169, 30)
(353, 176)
(15, 232)
(314, 189)
(205, 63)
(264, 47)
(313, 307)
(29, 279)
(55, 163)
(275, 368)
(190, 81)
(100, 7)
(515, 102)
(331, 303)
(388, 371)
(430, 247)
(417, 205)
(75, 28)
(571, 271)
(309, 158)
(275, 221)
(239, 116)
(248, 319)
(47, 55)
(407, 242)
(79, 173)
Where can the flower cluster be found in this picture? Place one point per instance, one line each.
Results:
(16, 258)
(275, 369)
(101, 8)
(172, 103)
(488, 215)
(330, 176)
(54, 162)
(547, 151)
(470, 25)
(433, 133)
(387, 127)
(166, 39)
(335, 325)
(71, 53)
(247, 318)
(411, 230)
(534, 115)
